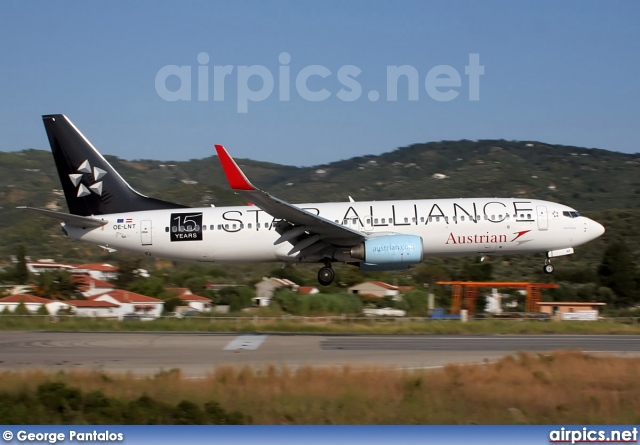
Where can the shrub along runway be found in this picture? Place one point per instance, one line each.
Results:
(197, 353)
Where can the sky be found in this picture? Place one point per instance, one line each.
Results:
(306, 83)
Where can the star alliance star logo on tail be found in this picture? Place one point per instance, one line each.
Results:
(96, 187)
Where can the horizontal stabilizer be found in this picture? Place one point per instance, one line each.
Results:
(72, 220)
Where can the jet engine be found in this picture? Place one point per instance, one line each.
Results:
(390, 251)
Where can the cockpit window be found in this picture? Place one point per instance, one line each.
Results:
(571, 214)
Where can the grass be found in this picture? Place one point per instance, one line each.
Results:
(316, 325)
(557, 388)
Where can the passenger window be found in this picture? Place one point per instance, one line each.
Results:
(211, 227)
(166, 229)
(383, 219)
(406, 220)
(242, 225)
(368, 220)
(226, 226)
(462, 218)
(249, 225)
(219, 226)
(390, 220)
(528, 215)
(422, 219)
(375, 220)
(233, 227)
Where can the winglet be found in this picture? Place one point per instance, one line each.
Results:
(237, 179)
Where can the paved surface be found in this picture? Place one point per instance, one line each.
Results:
(197, 353)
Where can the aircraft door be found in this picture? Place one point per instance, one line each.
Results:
(543, 218)
(145, 232)
(368, 223)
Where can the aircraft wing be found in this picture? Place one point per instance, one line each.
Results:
(72, 220)
(308, 233)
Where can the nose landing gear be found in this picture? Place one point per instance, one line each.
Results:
(548, 267)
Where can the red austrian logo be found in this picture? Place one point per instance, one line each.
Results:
(487, 238)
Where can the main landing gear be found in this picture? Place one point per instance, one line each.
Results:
(548, 267)
(326, 274)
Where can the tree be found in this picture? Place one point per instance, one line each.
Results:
(21, 309)
(21, 273)
(57, 285)
(430, 273)
(477, 270)
(617, 271)
(128, 271)
(170, 304)
(237, 298)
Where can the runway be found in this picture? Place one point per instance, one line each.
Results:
(198, 353)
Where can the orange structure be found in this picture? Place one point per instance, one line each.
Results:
(470, 291)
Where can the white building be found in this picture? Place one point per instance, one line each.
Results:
(31, 302)
(132, 303)
(90, 286)
(93, 308)
(99, 271)
(268, 286)
(197, 302)
(378, 289)
(38, 267)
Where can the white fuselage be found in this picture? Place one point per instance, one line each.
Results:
(448, 227)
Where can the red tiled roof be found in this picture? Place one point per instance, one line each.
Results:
(306, 289)
(91, 303)
(384, 285)
(97, 266)
(84, 283)
(125, 296)
(17, 298)
(391, 286)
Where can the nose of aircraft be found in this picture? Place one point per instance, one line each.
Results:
(595, 229)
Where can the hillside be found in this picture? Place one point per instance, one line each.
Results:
(592, 180)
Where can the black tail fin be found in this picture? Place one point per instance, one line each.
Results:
(91, 185)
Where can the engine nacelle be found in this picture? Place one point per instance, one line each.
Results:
(396, 251)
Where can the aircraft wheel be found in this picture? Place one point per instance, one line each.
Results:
(548, 268)
(326, 276)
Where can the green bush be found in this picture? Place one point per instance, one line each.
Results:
(55, 403)
(295, 303)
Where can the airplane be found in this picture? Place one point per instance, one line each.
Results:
(372, 235)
